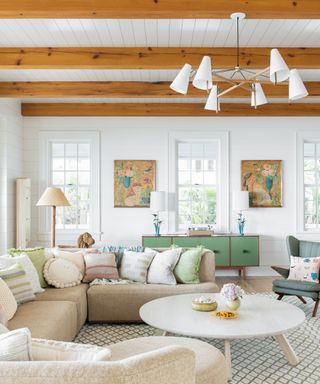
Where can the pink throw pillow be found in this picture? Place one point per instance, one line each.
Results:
(100, 266)
(304, 269)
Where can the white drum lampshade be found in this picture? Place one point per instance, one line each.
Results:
(297, 89)
(181, 82)
(279, 70)
(257, 95)
(203, 77)
(213, 102)
(157, 201)
(240, 201)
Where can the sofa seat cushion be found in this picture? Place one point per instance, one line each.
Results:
(121, 303)
(210, 362)
(76, 294)
(54, 320)
(297, 285)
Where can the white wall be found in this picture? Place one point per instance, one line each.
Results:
(11, 141)
(147, 138)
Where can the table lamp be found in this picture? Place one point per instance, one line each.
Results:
(157, 204)
(240, 204)
(53, 197)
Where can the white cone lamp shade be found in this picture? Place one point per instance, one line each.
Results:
(297, 89)
(213, 102)
(53, 197)
(181, 83)
(157, 202)
(240, 201)
(257, 95)
(203, 77)
(279, 70)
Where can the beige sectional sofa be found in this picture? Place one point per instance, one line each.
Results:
(59, 314)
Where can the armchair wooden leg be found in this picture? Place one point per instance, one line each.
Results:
(280, 296)
(302, 299)
(315, 308)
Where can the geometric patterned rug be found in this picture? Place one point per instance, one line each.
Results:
(254, 361)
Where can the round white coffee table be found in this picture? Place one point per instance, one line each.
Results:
(258, 317)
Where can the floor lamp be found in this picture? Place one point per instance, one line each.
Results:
(53, 197)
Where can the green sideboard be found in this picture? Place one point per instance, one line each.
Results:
(231, 251)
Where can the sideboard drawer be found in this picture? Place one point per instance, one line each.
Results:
(157, 242)
(245, 251)
(220, 247)
(186, 242)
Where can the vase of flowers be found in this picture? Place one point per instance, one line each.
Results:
(232, 293)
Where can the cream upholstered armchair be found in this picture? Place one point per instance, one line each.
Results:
(156, 360)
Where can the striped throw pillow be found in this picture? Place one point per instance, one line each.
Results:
(135, 265)
(100, 266)
(16, 345)
(16, 279)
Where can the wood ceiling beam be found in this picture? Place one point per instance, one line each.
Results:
(69, 89)
(149, 58)
(164, 109)
(157, 9)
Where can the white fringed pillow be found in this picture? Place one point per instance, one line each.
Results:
(61, 273)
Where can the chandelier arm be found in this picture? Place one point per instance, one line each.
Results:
(243, 82)
(223, 70)
(227, 80)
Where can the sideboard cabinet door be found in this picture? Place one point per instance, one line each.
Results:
(156, 242)
(245, 251)
(220, 247)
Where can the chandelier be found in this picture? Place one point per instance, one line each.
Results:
(238, 77)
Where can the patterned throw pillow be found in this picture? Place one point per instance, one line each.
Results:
(8, 303)
(16, 345)
(135, 265)
(24, 260)
(16, 279)
(187, 269)
(38, 258)
(100, 266)
(118, 250)
(162, 266)
(304, 269)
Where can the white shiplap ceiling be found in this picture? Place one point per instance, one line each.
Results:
(157, 33)
(147, 33)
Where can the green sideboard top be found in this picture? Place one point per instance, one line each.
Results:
(214, 235)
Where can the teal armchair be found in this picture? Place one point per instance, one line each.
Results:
(301, 289)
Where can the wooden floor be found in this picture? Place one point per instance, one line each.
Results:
(249, 284)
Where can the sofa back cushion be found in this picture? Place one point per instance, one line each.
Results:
(207, 267)
(135, 265)
(16, 279)
(8, 303)
(100, 266)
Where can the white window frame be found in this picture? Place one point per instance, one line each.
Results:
(45, 140)
(222, 221)
(301, 138)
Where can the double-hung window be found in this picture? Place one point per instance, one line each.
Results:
(308, 182)
(198, 180)
(70, 161)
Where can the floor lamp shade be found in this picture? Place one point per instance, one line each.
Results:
(240, 200)
(53, 197)
(157, 202)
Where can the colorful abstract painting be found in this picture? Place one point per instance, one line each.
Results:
(263, 180)
(133, 182)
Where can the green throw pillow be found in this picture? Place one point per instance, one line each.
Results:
(187, 269)
(38, 258)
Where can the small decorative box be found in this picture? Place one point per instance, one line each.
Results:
(204, 304)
